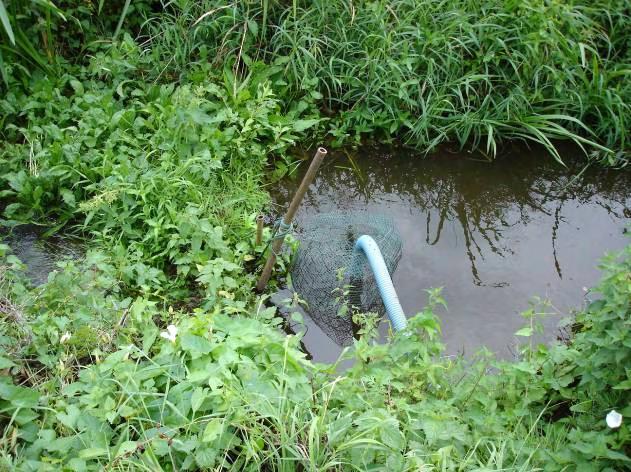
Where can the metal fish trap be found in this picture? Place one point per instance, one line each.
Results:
(323, 268)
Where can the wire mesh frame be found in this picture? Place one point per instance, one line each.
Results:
(323, 268)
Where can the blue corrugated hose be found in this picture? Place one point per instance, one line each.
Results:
(386, 288)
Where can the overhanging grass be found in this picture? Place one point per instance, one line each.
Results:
(472, 72)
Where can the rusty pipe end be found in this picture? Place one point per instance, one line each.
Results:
(260, 221)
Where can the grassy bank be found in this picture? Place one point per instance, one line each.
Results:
(154, 353)
(428, 72)
(425, 72)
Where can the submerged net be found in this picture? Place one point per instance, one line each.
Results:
(323, 268)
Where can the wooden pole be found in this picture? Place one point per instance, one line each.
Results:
(260, 219)
(277, 244)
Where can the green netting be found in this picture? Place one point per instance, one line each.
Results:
(322, 268)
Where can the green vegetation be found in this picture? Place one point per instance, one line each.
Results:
(230, 391)
(427, 72)
(471, 72)
(153, 353)
(161, 175)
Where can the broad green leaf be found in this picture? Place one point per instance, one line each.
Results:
(70, 417)
(301, 125)
(6, 363)
(93, 452)
(213, 430)
(77, 87)
(126, 448)
(526, 331)
(197, 398)
(196, 345)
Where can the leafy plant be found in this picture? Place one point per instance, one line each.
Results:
(161, 175)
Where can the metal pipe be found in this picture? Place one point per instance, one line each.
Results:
(285, 223)
(260, 220)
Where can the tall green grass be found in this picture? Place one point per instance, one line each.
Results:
(46, 35)
(428, 71)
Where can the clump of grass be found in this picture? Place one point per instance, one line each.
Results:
(476, 73)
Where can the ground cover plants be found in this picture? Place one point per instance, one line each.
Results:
(94, 380)
(151, 131)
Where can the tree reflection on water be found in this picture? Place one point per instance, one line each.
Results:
(483, 199)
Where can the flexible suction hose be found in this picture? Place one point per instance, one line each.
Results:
(386, 288)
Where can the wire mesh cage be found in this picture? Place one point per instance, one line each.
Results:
(325, 275)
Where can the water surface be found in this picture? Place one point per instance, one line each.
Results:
(492, 234)
(39, 253)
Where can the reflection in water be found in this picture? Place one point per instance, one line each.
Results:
(520, 226)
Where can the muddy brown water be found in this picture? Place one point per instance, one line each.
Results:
(492, 234)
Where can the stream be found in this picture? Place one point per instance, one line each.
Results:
(492, 234)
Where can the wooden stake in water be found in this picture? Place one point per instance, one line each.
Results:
(277, 244)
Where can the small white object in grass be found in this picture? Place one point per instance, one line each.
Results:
(170, 333)
(65, 337)
(614, 419)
